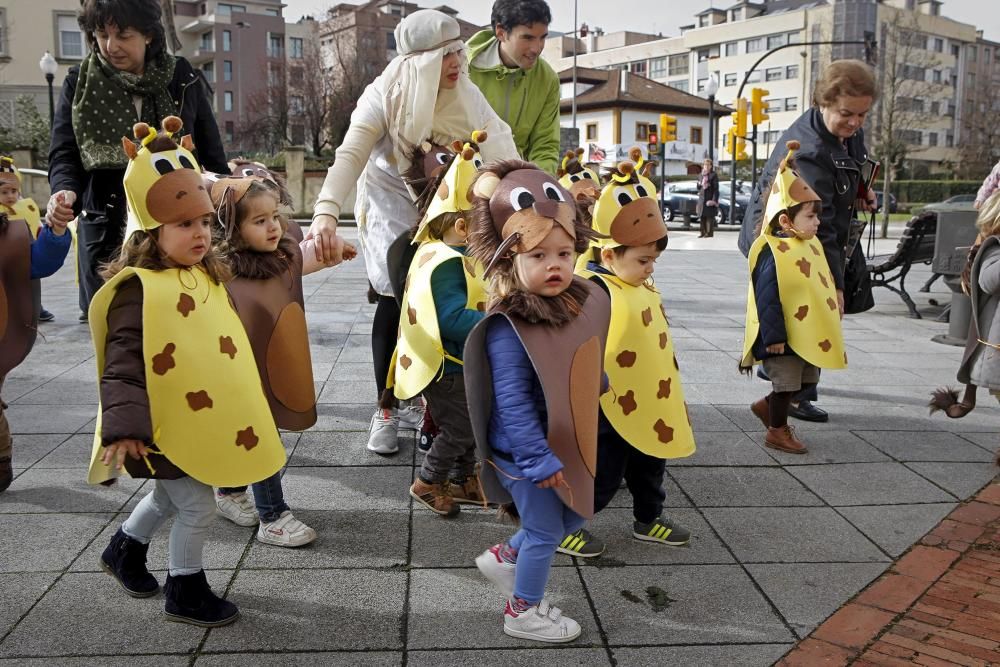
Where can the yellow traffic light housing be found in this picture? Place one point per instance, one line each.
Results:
(668, 128)
(740, 118)
(758, 107)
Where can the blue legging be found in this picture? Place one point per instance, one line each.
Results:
(545, 521)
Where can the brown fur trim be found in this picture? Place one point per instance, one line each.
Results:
(549, 310)
(945, 399)
(253, 265)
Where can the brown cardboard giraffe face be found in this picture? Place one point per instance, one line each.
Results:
(528, 202)
(163, 183)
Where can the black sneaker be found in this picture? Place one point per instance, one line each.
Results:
(45, 316)
(663, 531)
(581, 544)
(83, 317)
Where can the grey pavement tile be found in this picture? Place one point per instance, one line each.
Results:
(762, 535)
(325, 610)
(347, 448)
(806, 594)
(960, 479)
(928, 446)
(344, 416)
(73, 453)
(988, 441)
(343, 391)
(715, 604)
(104, 661)
(896, 528)
(572, 657)
(739, 392)
(224, 545)
(331, 658)
(711, 366)
(29, 449)
(707, 418)
(350, 489)
(826, 447)
(614, 527)
(126, 626)
(31, 419)
(51, 540)
(18, 592)
(455, 542)
(65, 490)
(470, 597)
(731, 655)
(724, 448)
(62, 391)
(743, 487)
(888, 483)
(347, 372)
(674, 496)
(835, 397)
(344, 539)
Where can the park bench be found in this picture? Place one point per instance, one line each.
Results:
(916, 246)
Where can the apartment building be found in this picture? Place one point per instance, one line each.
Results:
(724, 43)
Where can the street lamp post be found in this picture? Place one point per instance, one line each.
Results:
(711, 88)
(239, 77)
(49, 66)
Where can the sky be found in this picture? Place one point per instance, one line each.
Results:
(640, 15)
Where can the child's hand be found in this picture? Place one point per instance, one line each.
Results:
(349, 252)
(58, 227)
(60, 207)
(116, 451)
(776, 348)
(552, 482)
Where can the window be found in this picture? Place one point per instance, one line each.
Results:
(754, 45)
(680, 84)
(3, 32)
(794, 37)
(225, 9)
(658, 68)
(227, 70)
(936, 76)
(791, 104)
(272, 12)
(296, 76)
(754, 76)
(638, 67)
(701, 85)
(932, 138)
(70, 37)
(695, 135)
(774, 41)
(229, 131)
(914, 137)
(390, 41)
(227, 101)
(641, 131)
(971, 53)
(208, 69)
(773, 73)
(949, 140)
(227, 40)
(296, 104)
(792, 72)
(730, 79)
(275, 46)
(772, 136)
(295, 47)
(774, 105)
(678, 64)
(935, 108)
(732, 48)
(939, 45)
(703, 55)
(955, 50)
(970, 80)
(591, 131)
(207, 42)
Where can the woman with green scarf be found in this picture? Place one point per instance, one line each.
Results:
(127, 77)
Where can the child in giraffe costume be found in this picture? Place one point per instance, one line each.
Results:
(28, 251)
(792, 322)
(644, 419)
(445, 296)
(180, 398)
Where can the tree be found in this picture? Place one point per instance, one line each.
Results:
(265, 124)
(980, 137)
(353, 59)
(311, 88)
(904, 96)
(30, 131)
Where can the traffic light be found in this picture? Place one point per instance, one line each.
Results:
(668, 128)
(871, 48)
(653, 141)
(741, 150)
(758, 107)
(740, 118)
(736, 146)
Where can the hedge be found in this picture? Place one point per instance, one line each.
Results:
(932, 191)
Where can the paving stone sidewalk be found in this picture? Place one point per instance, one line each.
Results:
(780, 542)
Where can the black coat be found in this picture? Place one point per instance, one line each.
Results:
(832, 168)
(768, 300)
(708, 193)
(100, 192)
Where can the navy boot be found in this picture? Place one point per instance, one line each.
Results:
(190, 600)
(125, 560)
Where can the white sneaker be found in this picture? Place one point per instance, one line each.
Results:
(499, 572)
(287, 531)
(541, 623)
(237, 507)
(411, 416)
(383, 433)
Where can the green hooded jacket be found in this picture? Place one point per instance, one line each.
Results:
(527, 100)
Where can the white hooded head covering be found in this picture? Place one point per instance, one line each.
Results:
(414, 107)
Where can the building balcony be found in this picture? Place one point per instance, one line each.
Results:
(201, 55)
(200, 24)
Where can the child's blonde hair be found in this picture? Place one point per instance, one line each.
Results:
(142, 251)
(988, 221)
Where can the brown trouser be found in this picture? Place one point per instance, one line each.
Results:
(5, 439)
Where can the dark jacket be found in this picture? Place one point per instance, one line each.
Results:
(455, 321)
(125, 412)
(518, 420)
(769, 313)
(710, 193)
(832, 168)
(100, 192)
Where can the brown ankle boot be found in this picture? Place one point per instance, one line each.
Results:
(467, 491)
(783, 439)
(435, 497)
(762, 411)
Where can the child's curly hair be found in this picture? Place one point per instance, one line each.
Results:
(142, 251)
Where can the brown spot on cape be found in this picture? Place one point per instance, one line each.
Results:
(246, 438)
(663, 432)
(164, 361)
(226, 346)
(185, 304)
(626, 358)
(801, 313)
(198, 400)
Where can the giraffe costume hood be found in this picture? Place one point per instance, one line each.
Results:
(24, 208)
(209, 416)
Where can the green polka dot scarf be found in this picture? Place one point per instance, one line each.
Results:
(103, 110)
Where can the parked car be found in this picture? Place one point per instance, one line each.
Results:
(960, 199)
(955, 203)
(892, 201)
(681, 199)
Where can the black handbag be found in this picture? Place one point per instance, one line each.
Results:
(858, 295)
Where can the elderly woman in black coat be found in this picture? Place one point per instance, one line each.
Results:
(127, 77)
(708, 199)
(830, 159)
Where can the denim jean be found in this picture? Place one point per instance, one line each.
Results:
(268, 496)
(545, 521)
(194, 505)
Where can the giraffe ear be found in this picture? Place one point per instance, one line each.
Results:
(129, 148)
(187, 142)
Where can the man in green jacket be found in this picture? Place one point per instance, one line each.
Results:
(523, 89)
